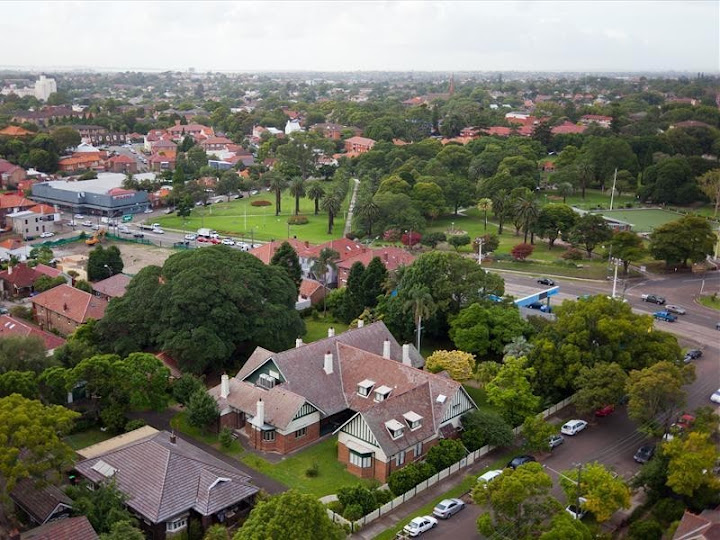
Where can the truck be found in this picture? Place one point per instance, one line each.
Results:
(207, 233)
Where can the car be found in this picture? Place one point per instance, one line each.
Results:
(72, 222)
(573, 427)
(489, 476)
(227, 242)
(239, 196)
(124, 229)
(79, 216)
(684, 422)
(692, 354)
(96, 227)
(254, 192)
(138, 235)
(47, 234)
(577, 512)
(546, 281)
(607, 410)
(665, 316)
(243, 245)
(715, 397)
(517, 461)
(447, 508)
(214, 241)
(4, 310)
(157, 230)
(191, 236)
(148, 211)
(555, 441)
(644, 453)
(87, 223)
(419, 525)
(717, 326)
(672, 308)
(653, 299)
(540, 307)
(169, 210)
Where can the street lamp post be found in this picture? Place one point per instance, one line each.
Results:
(479, 241)
(616, 262)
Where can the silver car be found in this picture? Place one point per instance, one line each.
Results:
(675, 309)
(447, 508)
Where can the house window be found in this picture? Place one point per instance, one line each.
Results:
(268, 435)
(172, 526)
(413, 420)
(395, 428)
(417, 450)
(365, 387)
(301, 433)
(400, 458)
(363, 461)
(382, 393)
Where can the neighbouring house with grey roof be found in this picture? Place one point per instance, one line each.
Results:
(170, 482)
(40, 504)
(361, 384)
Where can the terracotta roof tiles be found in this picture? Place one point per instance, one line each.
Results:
(72, 303)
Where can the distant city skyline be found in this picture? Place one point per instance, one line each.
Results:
(630, 36)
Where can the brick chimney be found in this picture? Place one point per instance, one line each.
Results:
(386, 349)
(224, 386)
(328, 363)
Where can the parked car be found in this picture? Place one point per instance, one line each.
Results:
(489, 476)
(87, 223)
(665, 316)
(190, 236)
(47, 234)
(546, 281)
(692, 354)
(138, 235)
(573, 427)
(675, 309)
(644, 453)
(148, 211)
(4, 310)
(540, 307)
(684, 422)
(124, 229)
(79, 216)
(447, 508)
(555, 441)
(653, 299)
(227, 242)
(715, 397)
(157, 230)
(517, 461)
(607, 410)
(419, 525)
(575, 511)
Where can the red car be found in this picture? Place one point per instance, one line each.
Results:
(214, 241)
(685, 421)
(202, 239)
(607, 410)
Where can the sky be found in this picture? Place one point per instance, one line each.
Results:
(363, 35)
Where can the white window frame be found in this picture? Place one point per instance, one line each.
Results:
(363, 461)
(396, 433)
(268, 435)
(400, 458)
(417, 450)
(302, 432)
(177, 524)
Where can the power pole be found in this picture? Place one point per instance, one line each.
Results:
(579, 467)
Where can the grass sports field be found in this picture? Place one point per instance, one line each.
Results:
(642, 220)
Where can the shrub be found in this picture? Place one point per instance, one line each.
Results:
(408, 477)
(572, 254)
(134, 424)
(260, 202)
(458, 364)
(490, 242)
(411, 238)
(433, 239)
(335, 506)
(358, 495)
(226, 437)
(186, 386)
(520, 252)
(353, 512)
(459, 240)
(668, 510)
(445, 453)
(391, 235)
(313, 471)
(298, 220)
(383, 496)
(646, 530)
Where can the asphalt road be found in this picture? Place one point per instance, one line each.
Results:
(613, 440)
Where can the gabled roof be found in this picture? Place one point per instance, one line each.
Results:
(20, 275)
(705, 526)
(47, 270)
(122, 158)
(15, 131)
(74, 528)
(11, 244)
(391, 257)
(345, 247)
(113, 286)
(72, 303)
(11, 200)
(360, 140)
(265, 252)
(40, 503)
(43, 209)
(163, 478)
(308, 287)
(9, 326)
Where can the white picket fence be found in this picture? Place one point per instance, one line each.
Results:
(465, 462)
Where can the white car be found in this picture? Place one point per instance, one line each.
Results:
(573, 427)
(675, 309)
(715, 398)
(87, 223)
(148, 211)
(123, 229)
(191, 236)
(157, 230)
(243, 245)
(47, 234)
(79, 216)
(419, 525)
(489, 476)
(227, 242)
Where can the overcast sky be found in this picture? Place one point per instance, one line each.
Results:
(353, 35)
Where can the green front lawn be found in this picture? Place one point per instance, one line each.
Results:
(180, 423)
(83, 439)
(712, 301)
(318, 329)
(240, 219)
(291, 470)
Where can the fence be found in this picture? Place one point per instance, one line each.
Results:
(465, 462)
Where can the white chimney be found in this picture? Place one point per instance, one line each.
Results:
(10, 270)
(224, 386)
(386, 349)
(259, 419)
(298, 342)
(361, 323)
(406, 355)
(328, 364)
(331, 331)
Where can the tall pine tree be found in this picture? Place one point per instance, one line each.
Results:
(354, 300)
(373, 284)
(287, 259)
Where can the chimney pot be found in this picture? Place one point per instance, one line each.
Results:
(298, 342)
(328, 363)
(386, 349)
(331, 331)
(406, 354)
(361, 323)
(224, 386)
(173, 438)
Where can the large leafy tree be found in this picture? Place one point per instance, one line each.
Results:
(511, 391)
(458, 364)
(202, 306)
(628, 247)
(32, 445)
(485, 427)
(710, 185)
(689, 238)
(104, 506)
(690, 461)
(599, 385)
(590, 230)
(555, 220)
(104, 262)
(520, 500)
(353, 301)
(564, 527)
(287, 258)
(536, 432)
(483, 329)
(604, 492)
(202, 410)
(65, 138)
(19, 353)
(289, 515)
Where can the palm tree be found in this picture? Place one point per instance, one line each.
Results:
(277, 184)
(368, 212)
(331, 204)
(297, 189)
(527, 210)
(501, 205)
(421, 302)
(484, 205)
(315, 192)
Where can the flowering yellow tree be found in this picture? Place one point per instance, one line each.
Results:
(458, 364)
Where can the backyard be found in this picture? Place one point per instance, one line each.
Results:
(86, 438)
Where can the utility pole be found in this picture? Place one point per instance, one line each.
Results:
(612, 193)
(579, 467)
(479, 241)
(616, 262)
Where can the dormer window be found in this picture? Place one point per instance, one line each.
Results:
(382, 393)
(413, 420)
(395, 428)
(365, 387)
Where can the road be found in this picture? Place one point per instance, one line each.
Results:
(137, 155)
(613, 440)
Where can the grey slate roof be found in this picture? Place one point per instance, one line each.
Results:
(39, 502)
(163, 479)
(74, 528)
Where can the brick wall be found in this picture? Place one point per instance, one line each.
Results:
(230, 420)
(50, 320)
(283, 444)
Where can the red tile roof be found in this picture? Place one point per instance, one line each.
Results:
(346, 248)
(42, 209)
(10, 200)
(10, 326)
(567, 127)
(47, 270)
(499, 131)
(266, 251)
(170, 363)
(11, 244)
(15, 131)
(122, 158)
(74, 528)
(391, 257)
(308, 287)
(72, 303)
(20, 275)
